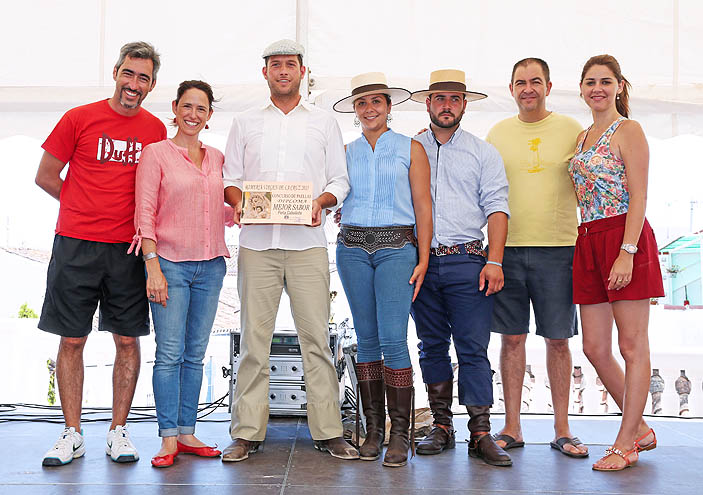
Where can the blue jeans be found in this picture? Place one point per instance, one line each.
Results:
(379, 295)
(450, 306)
(182, 331)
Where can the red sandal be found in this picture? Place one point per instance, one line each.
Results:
(650, 446)
(625, 456)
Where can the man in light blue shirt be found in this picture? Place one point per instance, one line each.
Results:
(469, 191)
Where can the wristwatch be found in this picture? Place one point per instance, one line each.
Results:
(629, 248)
(152, 255)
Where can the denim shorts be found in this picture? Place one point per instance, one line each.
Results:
(541, 276)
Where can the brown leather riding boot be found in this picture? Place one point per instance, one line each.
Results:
(442, 435)
(400, 396)
(373, 401)
(482, 444)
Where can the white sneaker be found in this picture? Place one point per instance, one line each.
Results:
(68, 447)
(119, 447)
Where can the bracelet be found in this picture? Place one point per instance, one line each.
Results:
(494, 263)
(150, 256)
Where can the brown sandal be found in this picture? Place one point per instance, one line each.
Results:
(625, 456)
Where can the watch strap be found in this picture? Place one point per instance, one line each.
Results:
(629, 248)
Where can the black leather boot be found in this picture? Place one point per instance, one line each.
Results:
(482, 444)
(400, 396)
(442, 435)
(373, 400)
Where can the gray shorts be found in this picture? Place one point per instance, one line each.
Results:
(541, 275)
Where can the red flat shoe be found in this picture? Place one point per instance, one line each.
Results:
(199, 451)
(162, 461)
(649, 446)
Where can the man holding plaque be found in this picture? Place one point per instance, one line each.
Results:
(285, 146)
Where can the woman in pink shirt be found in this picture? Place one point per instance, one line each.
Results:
(180, 223)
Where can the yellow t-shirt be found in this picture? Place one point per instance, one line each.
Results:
(541, 195)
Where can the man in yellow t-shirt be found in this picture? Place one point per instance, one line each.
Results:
(536, 146)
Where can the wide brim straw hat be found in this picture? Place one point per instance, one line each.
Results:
(447, 81)
(370, 83)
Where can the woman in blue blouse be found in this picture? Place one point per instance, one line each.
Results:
(382, 255)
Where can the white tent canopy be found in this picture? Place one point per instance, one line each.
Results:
(73, 47)
(59, 44)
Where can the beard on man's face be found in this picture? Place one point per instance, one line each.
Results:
(445, 124)
(131, 105)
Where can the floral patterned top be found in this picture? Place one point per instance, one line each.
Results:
(599, 178)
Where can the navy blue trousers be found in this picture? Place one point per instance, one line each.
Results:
(450, 306)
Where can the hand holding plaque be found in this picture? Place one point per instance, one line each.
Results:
(277, 202)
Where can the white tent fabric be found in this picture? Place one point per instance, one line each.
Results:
(60, 55)
(75, 44)
(73, 49)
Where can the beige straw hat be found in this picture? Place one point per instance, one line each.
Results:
(447, 81)
(370, 83)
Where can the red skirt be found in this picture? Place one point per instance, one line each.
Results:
(597, 247)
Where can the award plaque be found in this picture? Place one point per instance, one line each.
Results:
(277, 202)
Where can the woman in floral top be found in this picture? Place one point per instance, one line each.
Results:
(616, 268)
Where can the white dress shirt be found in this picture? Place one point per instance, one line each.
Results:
(304, 145)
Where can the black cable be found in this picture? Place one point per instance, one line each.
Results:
(137, 414)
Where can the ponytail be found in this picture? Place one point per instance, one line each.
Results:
(622, 102)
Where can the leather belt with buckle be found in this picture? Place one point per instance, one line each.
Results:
(473, 247)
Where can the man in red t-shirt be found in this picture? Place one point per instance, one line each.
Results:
(101, 142)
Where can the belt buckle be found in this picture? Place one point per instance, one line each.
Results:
(441, 250)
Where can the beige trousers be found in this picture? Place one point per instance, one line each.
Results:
(262, 275)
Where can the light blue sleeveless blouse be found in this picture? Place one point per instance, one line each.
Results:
(380, 187)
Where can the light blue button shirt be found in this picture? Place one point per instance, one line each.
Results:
(468, 184)
(380, 187)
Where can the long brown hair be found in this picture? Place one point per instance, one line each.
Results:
(622, 104)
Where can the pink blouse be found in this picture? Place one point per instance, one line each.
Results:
(179, 206)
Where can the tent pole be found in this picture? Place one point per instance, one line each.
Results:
(675, 72)
(101, 45)
(700, 266)
(301, 36)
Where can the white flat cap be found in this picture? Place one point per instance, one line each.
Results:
(284, 47)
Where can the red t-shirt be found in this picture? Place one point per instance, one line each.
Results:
(102, 149)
